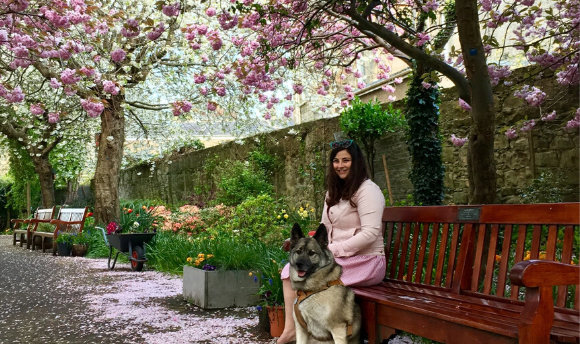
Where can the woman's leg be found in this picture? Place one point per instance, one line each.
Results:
(289, 333)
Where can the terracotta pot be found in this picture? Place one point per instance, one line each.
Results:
(79, 250)
(276, 317)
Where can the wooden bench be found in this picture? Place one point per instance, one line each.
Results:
(23, 235)
(67, 220)
(448, 274)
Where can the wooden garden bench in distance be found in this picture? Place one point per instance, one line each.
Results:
(478, 274)
(24, 235)
(67, 220)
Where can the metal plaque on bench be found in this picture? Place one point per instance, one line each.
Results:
(468, 214)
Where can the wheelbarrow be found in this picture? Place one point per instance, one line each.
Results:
(131, 244)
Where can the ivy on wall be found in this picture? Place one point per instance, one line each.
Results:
(424, 142)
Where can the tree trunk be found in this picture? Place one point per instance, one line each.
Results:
(480, 159)
(110, 154)
(43, 169)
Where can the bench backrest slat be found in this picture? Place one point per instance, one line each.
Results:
(44, 214)
(72, 215)
(471, 249)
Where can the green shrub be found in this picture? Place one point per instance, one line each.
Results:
(238, 181)
(256, 219)
(546, 188)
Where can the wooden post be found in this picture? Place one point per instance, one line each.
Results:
(28, 199)
(388, 180)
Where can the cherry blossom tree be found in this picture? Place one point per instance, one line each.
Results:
(96, 54)
(292, 33)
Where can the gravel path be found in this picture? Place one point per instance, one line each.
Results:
(46, 299)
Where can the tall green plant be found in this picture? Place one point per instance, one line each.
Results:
(367, 122)
(424, 142)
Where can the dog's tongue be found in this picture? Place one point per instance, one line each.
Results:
(301, 273)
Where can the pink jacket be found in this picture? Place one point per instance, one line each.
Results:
(357, 231)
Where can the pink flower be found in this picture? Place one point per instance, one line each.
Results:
(118, 55)
(511, 134)
(69, 77)
(199, 79)
(423, 38)
(171, 10)
(110, 87)
(298, 88)
(94, 107)
(55, 83)
(549, 117)
(388, 88)
(458, 141)
(344, 103)
(16, 96)
(361, 85)
(210, 12)
(211, 106)
(267, 116)
(288, 111)
(426, 85)
(155, 33)
(463, 104)
(36, 109)
(528, 125)
(532, 95)
(53, 117)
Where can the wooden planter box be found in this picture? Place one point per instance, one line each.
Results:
(219, 289)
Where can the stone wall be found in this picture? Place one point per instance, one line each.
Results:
(304, 152)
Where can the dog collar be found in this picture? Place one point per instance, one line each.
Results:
(302, 295)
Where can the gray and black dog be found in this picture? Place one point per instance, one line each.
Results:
(325, 309)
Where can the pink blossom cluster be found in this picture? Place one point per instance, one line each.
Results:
(156, 32)
(171, 10)
(118, 55)
(532, 95)
(94, 107)
(458, 141)
(36, 109)
(69, 76)
(574, 123)
(14, 96)
(211, 106)
(288, 111)
(549, 117)
(182, 106)
(131, 29)
(227, 21)
(110, 87)
(53, 117)
(511, 133)
(496, 73)
(528, 125)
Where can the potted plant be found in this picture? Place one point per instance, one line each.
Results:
(216, 272)
(64, 242)
(270, 291)
(80, 244)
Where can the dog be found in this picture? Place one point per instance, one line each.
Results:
(325, 309)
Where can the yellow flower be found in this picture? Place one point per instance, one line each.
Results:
(209, 256)
(201, 255)
(144, 207)
(285, 216)
(307, 205)
(250, 274)
(273, 261)
(301, 209)
(311, 210)
(278, 217)
(189, 259)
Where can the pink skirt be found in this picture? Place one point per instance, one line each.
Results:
(356, 270)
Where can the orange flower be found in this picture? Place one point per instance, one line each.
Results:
(497, 258)
(129, 211)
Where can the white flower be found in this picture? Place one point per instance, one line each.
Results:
(110, 138)
(135, 224)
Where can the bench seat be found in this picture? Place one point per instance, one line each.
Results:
(478, 274)
(24, 235)
(70, 220)
(400, 305)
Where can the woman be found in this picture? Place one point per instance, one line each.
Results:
(352, 214)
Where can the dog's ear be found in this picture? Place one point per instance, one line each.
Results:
(321, 236)
(296, 235)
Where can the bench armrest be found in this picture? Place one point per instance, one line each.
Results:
(20, 220)
(544, 273)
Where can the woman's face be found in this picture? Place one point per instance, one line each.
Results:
(341, 163)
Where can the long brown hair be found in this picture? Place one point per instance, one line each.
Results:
(344, 189)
